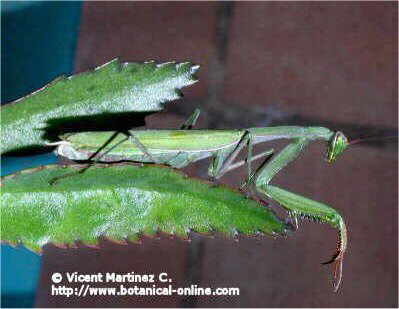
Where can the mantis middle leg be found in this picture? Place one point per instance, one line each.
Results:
(187, 125)
(223, 160)
(54, 180)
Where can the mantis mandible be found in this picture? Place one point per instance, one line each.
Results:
(178, 148)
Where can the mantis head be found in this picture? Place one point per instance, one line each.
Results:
(336, 146)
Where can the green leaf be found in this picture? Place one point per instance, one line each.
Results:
(111, 88)
(121, 202)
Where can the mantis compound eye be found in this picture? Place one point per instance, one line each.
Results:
(336, 146)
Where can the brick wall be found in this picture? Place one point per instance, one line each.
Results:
(267, 63)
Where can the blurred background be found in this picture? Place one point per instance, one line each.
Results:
(262, 64)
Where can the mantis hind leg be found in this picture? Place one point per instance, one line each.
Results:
(177, 160)
(92, 159)
(299, 206)
(191, 121)
(142, 147)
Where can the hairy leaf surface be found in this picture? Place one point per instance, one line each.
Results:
(111, 88)
(121, 202)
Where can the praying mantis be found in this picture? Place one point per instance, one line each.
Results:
(179, 148)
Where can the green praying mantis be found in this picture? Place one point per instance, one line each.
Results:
(179, 148)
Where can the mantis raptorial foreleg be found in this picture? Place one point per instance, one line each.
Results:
(292, 220)
(299, 206)
(178, 148)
